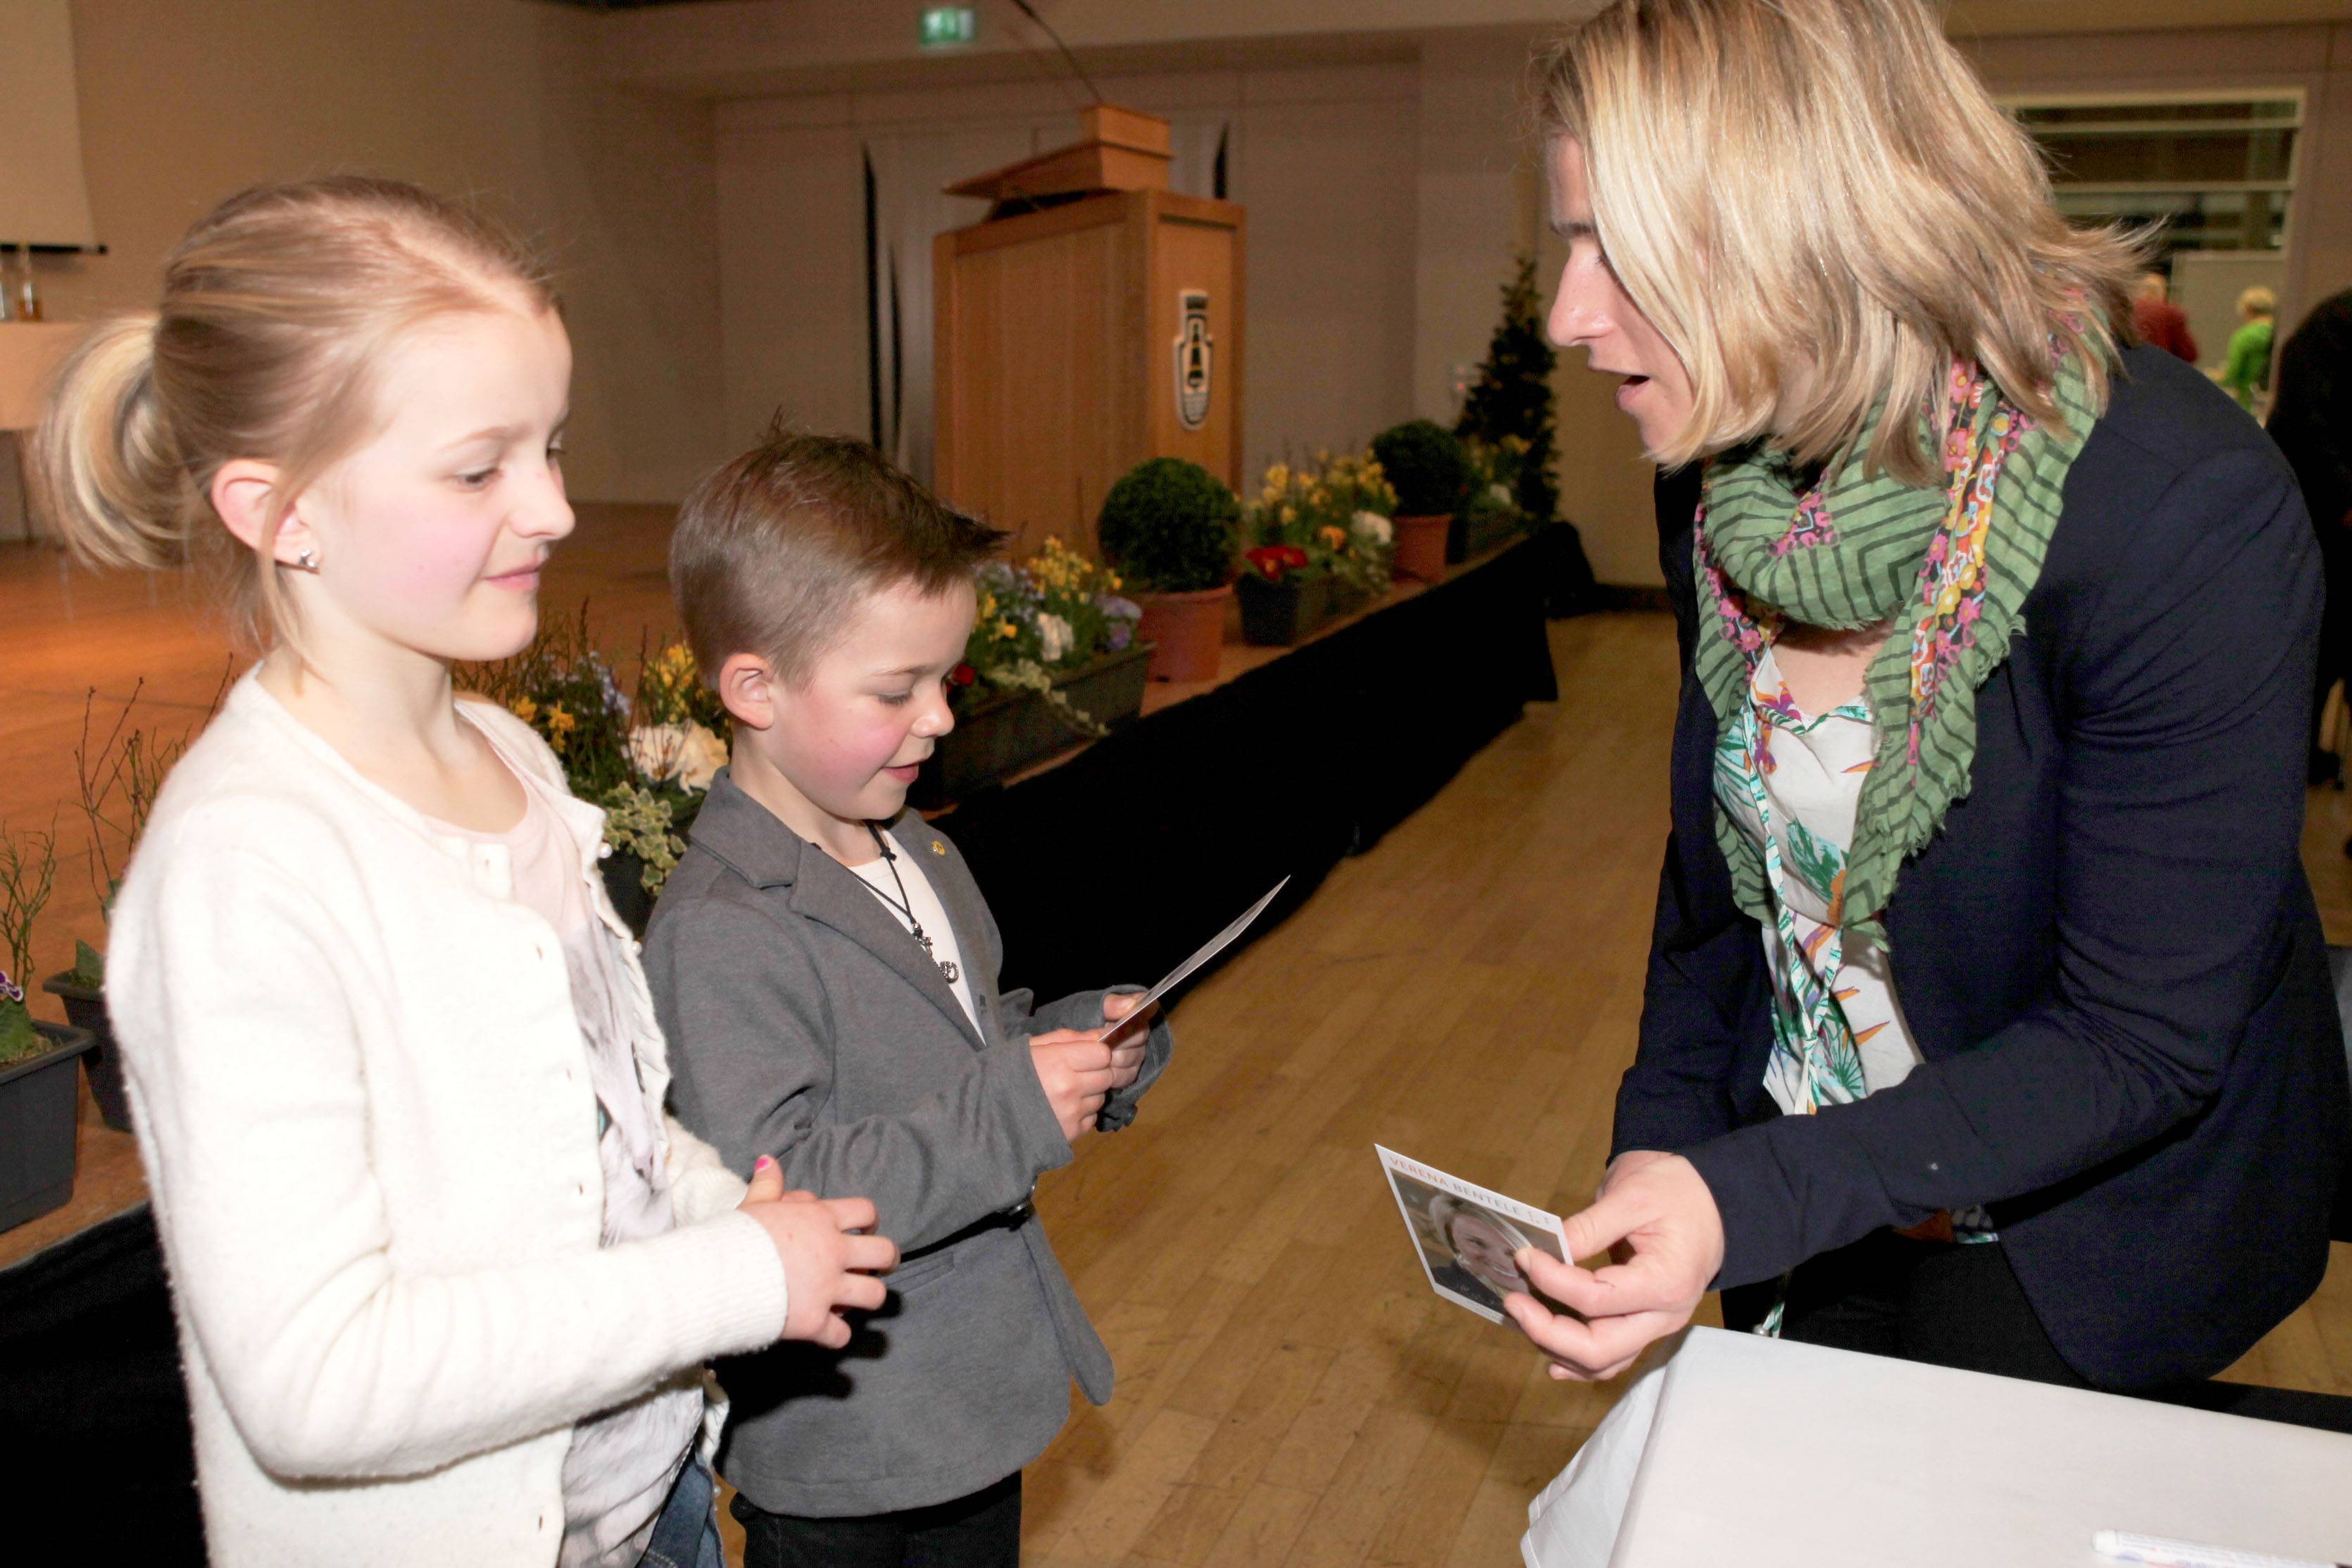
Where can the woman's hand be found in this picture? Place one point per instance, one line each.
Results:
(1657, 1220)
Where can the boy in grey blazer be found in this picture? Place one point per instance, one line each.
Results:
(825, 967)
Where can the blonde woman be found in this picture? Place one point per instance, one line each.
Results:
(1987, 1019)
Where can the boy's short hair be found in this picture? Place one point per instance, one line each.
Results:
(774, 551)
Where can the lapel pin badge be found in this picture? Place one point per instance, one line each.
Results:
(938, 847)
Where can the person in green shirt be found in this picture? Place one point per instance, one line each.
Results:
(2249, 365)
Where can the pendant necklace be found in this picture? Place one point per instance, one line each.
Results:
(906, 906)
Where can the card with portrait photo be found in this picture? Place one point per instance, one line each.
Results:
(1466, 1236)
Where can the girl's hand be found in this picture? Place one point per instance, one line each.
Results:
(1656, 1219)
(829, 1268)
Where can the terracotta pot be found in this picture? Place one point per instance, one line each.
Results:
(1420, 547)
(1187, 630)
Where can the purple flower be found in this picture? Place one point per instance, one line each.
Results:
(1118, 635)
(1118, 609)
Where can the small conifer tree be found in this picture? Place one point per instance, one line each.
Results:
(1512, 395)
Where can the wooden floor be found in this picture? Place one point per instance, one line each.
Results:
(1289, 1391)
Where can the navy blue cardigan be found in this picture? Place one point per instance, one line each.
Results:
(2109, 957)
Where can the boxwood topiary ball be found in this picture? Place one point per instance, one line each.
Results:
(1171, 527)
(1426, 464)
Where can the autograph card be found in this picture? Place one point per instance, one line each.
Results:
(1466, 1236)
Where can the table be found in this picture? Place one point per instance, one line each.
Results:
(1775, 1454)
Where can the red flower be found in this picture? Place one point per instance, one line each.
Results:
(963, 675)
(1273, 560)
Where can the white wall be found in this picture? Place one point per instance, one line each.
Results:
(181, 104)
(1324, 159)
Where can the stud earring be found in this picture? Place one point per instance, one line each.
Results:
(307, 562)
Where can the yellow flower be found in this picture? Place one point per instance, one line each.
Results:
(1278, 476)
(1290, 513)
(1007, 630)
(524, 709)
(1113, 579)
(560, 726)
(1335, 537)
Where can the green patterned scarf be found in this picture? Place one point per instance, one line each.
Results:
(1948, 567)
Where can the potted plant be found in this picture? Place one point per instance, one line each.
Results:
(1052, 658)
(646, 764)
(1431, 473)
(38, 1091)
(1318, 548)
(119, 780)
(1171, 527)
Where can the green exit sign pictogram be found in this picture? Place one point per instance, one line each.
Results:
(944, 25)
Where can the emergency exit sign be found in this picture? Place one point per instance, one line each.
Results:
(946, 25)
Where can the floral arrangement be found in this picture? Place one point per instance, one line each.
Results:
(646, 762)
(29, 873)
(1328, 521)
(1055, 612)
(1496, 470)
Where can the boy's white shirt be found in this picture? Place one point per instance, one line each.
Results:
(922, 904)
(365, 1117)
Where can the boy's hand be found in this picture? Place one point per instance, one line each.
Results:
(1075, 1069)
(1127, 1056)
(825, 1261)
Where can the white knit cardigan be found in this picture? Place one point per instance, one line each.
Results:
(363, 1106)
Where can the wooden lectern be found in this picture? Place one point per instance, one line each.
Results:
(1093, 321)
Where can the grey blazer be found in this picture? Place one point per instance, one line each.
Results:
(805, 1024)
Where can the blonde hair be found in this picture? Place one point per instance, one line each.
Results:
(1817, 205)
(2258, 301)
(277, 310)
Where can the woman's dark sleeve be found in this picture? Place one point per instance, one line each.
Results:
(1705, 983)
(2186, 673)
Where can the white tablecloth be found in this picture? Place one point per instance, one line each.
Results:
(1774, 1455)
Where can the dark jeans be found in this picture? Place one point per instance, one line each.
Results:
(1932, 1301)
(981, 1531)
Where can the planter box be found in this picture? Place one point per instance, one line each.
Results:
(86, 1010)
(1482, 531)
(1013, 729)
(1282, 614)
(37, 1099)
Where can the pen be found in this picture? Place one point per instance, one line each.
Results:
(2159, 1552)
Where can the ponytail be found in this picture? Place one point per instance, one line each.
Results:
(105, 473)
(277, 310)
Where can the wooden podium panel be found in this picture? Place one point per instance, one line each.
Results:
(1060, 337)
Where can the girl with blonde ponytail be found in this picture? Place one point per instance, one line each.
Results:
(444, 1273)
